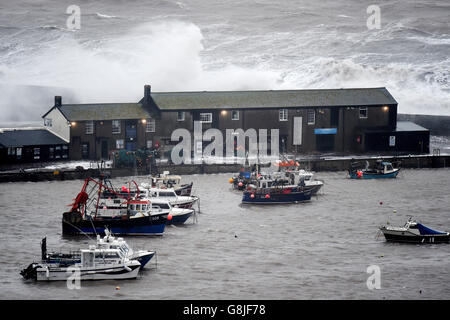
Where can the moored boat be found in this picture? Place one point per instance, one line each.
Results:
(176, 215)
(95, 264)
(107, 242)
(270, 191)
(414, 232)
(176, 201)
(382, 169)
(96, 210)
(165, 180)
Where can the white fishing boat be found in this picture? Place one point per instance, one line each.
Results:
(177, 215)
(175, 200)
(95, 264)
(166, 180)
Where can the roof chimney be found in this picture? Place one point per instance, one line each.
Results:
(147, 92)
(58, 100)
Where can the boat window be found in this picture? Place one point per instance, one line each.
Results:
(111, 255)
(144, 207)
(132, 207)
(166, 194)
(98, 255)
(138, 207)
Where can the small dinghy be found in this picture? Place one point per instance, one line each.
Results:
(95, 264)
(414, 232)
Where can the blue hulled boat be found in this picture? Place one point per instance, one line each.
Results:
(382, 169)
(414, 232)
(275, 191)
(111, 210)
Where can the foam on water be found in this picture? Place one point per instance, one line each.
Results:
(220, 46)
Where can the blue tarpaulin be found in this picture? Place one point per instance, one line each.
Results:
(425, 230)
(244, 174)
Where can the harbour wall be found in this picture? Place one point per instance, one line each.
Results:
(317, 165)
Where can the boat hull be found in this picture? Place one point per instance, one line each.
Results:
(365, 175)
(409, 238)
(148, 225)
(144, 258)
(276, 198)
(179, 219)
(106, 273)
(184, 190)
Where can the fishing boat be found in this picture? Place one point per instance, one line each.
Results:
(414, 232)
(95, 264)
(98, 207)
(165, 180)
(382, 169)
(107, 242)
(175, 200)
(275, 191)
(241, 181)
(306, 179)
(176, 215)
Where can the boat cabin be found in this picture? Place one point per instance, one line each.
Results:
(92, 256)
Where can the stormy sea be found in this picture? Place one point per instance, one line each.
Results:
(117, 46)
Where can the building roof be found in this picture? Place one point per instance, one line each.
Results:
(21, 137)
(409, 126)
(206, 100)
(103, 111)
(271, 99)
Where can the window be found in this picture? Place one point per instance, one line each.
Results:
(180, 116)
(115, 126)
(205, 117)
(65, 152)
(51, 153)
(363, 113)
(119, 144)
(149, 144)
(47, 122)
(283, 115)
(151, 126)
(11, 151)
(311, 116)
(37, 153)
(89, 127)
(234, 115)
(85, 150)
(58, 152)
(19, 153)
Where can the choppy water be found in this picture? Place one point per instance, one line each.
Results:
(220, 45)
(314, 250)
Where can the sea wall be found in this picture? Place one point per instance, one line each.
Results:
(317, 165)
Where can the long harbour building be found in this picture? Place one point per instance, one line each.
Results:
(340, 121)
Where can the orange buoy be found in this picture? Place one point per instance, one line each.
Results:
(231, 180)
(359, 173)
(169, 217)
(267, 196)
